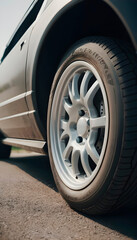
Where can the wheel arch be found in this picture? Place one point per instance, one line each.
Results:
(68, 29)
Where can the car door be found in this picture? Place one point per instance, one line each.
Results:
(14, 120)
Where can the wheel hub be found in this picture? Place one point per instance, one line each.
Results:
(83, 127)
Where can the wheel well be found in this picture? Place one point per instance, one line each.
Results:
(86, 18)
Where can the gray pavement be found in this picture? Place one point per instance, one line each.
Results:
(31, 207)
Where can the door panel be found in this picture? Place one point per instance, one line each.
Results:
(13, 90)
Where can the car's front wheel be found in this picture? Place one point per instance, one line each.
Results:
(92, 134)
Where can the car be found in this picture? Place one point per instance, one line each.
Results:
(68, 86)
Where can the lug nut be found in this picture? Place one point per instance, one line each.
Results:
(81, 113)
(79, 139)
(88, 122)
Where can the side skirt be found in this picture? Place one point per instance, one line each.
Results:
(30, 145)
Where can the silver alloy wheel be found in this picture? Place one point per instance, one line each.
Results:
(79, 125)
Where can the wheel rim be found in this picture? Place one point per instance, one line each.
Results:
(79, 125)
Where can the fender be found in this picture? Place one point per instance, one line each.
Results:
(44, 23)
(46, 20)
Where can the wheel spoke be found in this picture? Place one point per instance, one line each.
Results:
(67, 151)
(85, 163)
(84, 83)
(93, 136)
(98, 122)
(64, 124)
(92, 152)
(91, 94)
(67, 106)
(70, 92)
(74, 161)
(64, 135)
(75, 92)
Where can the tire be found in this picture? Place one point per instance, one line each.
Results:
(92, 126)
(5, 151)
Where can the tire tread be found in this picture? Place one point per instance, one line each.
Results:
(123, 188)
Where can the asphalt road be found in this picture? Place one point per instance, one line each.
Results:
(32, 208)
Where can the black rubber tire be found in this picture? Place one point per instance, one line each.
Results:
(5, 151)
(115, 185)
